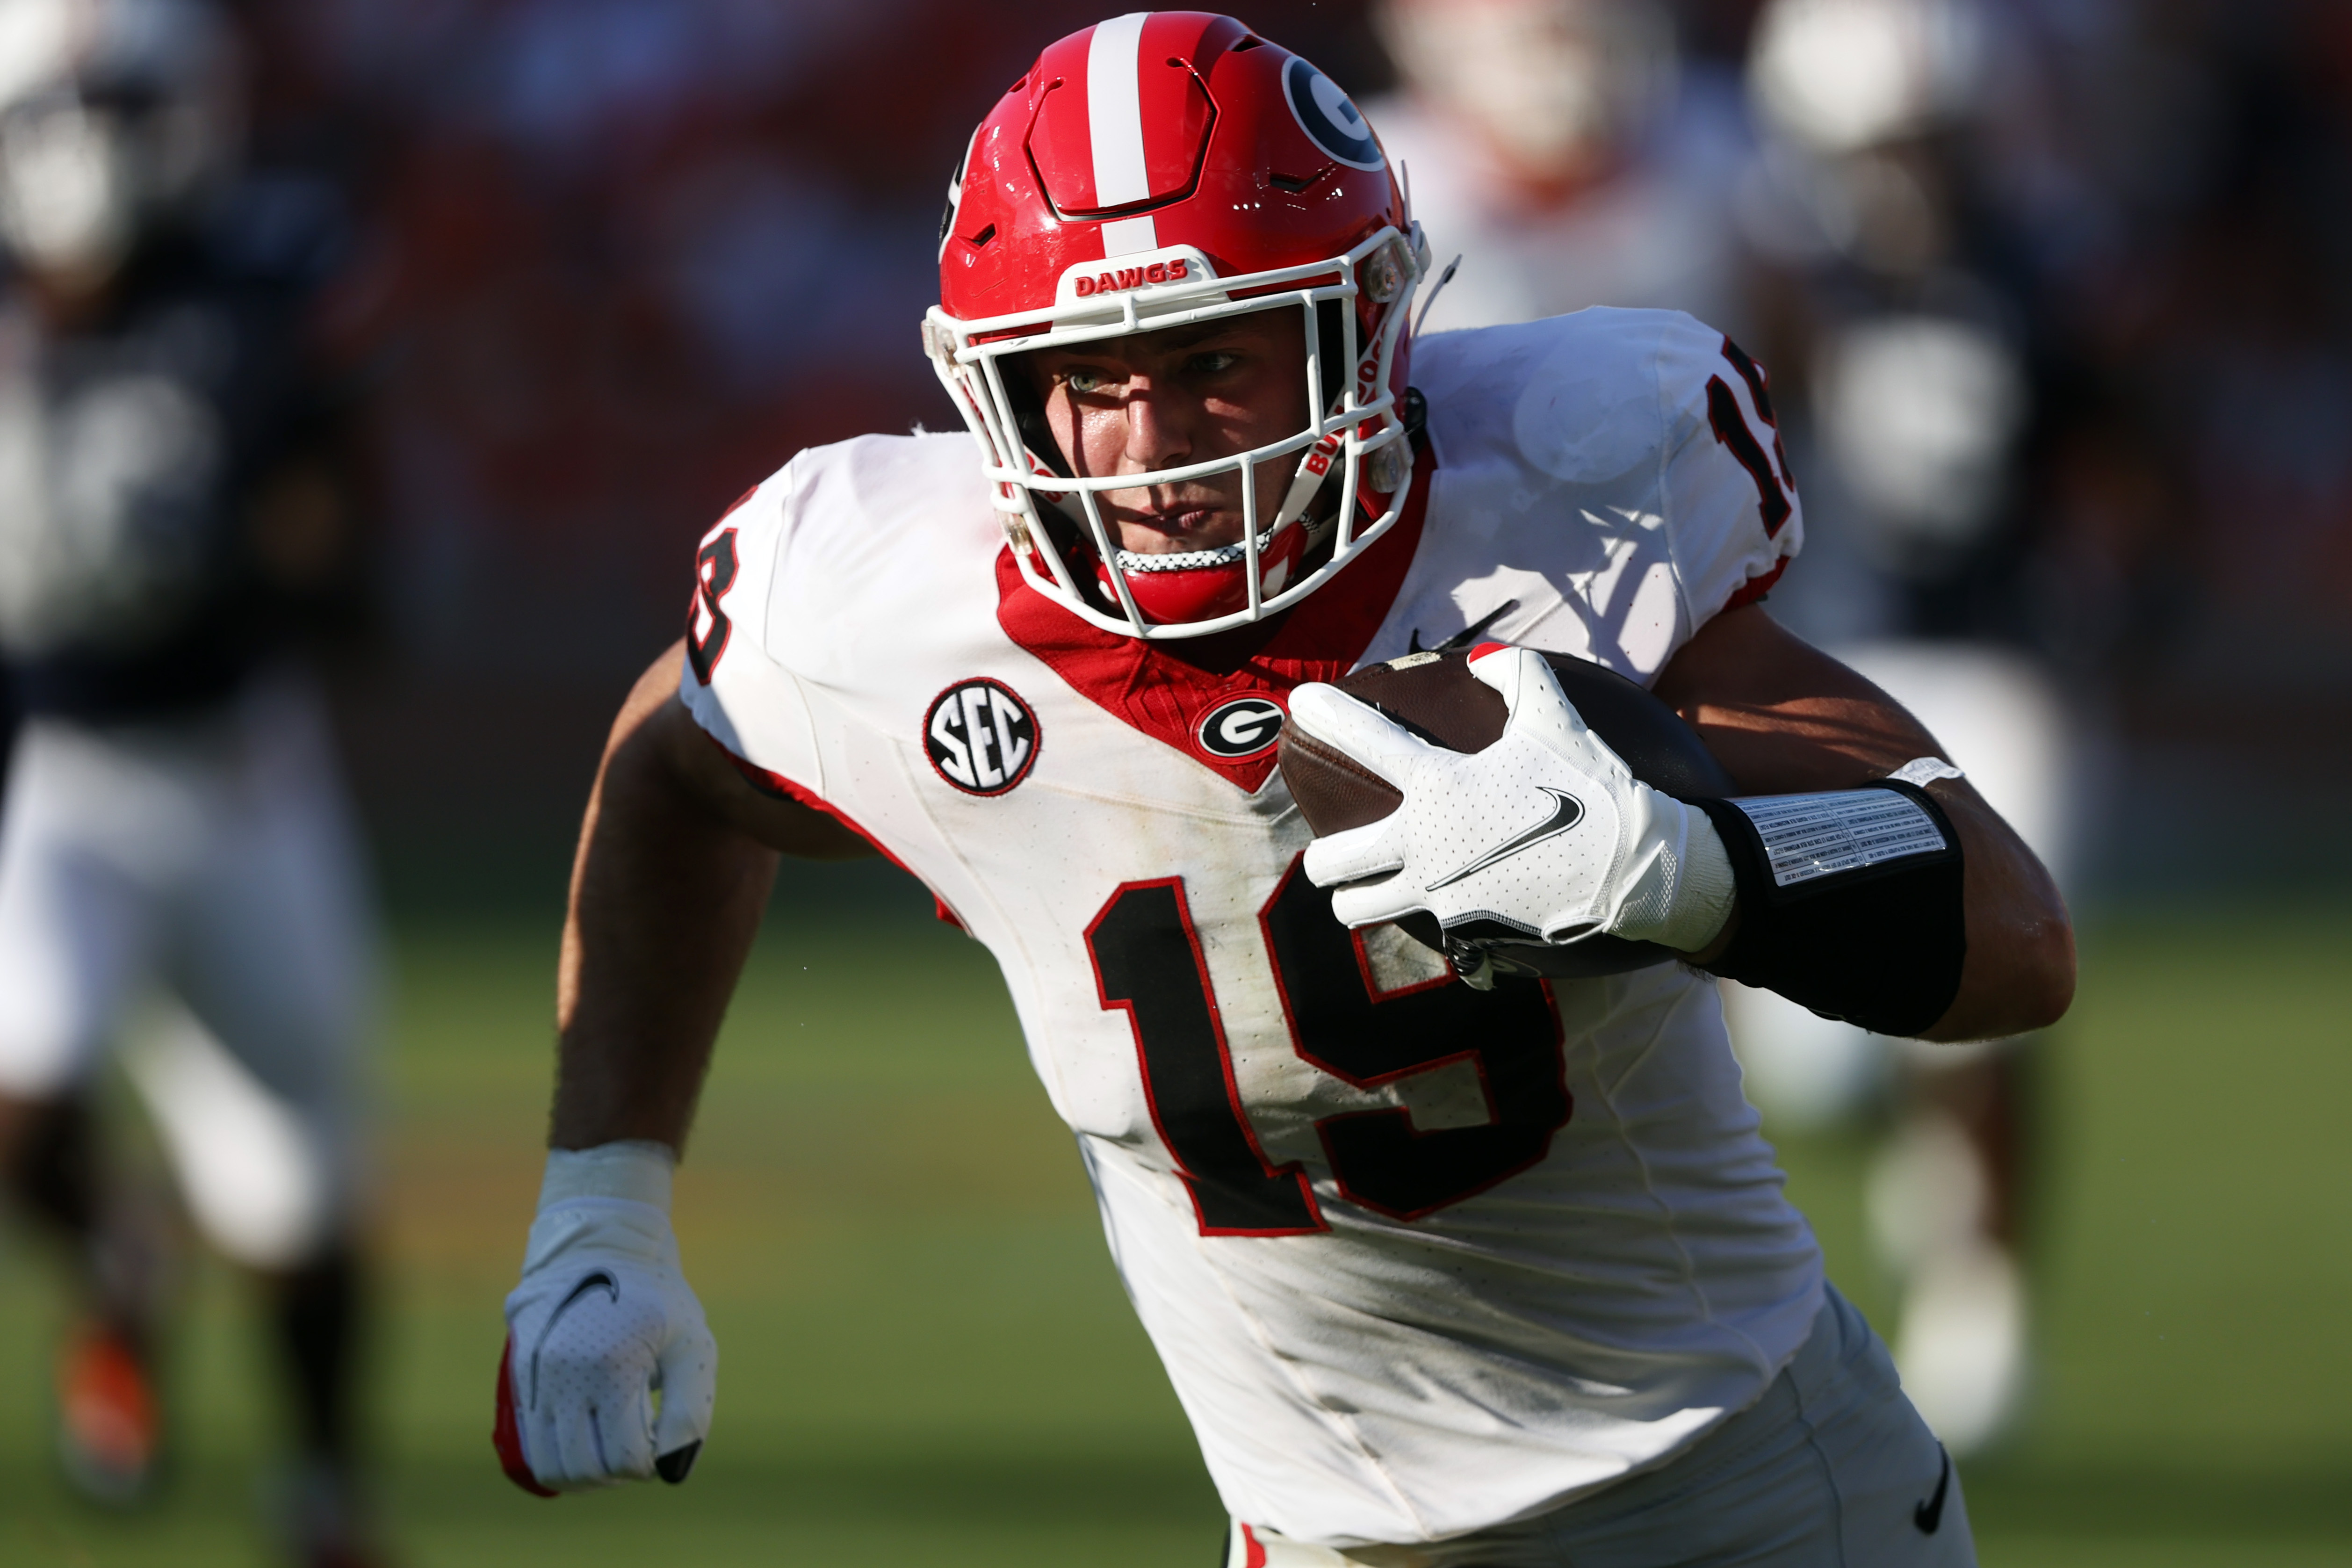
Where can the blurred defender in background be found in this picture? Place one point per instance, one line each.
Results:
(1896, 299)
(174, 510)
(1572, 160)
(1560, 148)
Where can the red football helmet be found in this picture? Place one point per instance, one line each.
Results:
(1155, 170)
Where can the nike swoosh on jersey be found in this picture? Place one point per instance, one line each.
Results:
(1567, 811)
(1929, 1515)
(1467, 635)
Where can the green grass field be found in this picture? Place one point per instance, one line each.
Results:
(927, 1360)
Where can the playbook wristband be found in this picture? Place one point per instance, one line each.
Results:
(1850, 902)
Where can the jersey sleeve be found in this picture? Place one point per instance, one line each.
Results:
(1732, 517)
(744, 698)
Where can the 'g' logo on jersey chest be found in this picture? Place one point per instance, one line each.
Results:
(1241, 728)
(981, 737)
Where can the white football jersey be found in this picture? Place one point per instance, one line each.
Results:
(1418, 1259)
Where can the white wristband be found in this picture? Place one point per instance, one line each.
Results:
(1921, 772)
(635, 1169)
(1705, 893)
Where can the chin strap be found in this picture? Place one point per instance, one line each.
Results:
(1305, 483)
(1309, 482)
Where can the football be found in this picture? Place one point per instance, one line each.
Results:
(1435, 696)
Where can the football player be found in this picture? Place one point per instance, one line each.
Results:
(1905, 300)
(171, 506)
(1565, 152)
(1442, 1272)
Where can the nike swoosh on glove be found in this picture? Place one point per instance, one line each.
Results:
(602, 1322)
(1545, 834)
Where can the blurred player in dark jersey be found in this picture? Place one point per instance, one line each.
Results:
(175, 845)
(1901, 321)
(1572, 160)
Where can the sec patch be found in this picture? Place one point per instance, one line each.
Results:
(981, 737)
(1240, 728)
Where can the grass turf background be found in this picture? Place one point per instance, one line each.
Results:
(927, 1360)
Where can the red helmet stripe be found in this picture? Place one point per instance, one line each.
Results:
(1115, 127)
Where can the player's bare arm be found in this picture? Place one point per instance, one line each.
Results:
(676, 854)
(1784, 717)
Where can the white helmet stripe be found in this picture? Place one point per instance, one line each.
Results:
(1115, 127)
(1126, 236)
(1114, 110)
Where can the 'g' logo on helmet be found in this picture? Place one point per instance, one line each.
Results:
(1243, 728)
(981, 737)
(1330, 122)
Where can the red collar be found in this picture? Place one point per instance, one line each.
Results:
(1167, 689)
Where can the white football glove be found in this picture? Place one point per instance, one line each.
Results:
(1545, 835)
(602, 1322)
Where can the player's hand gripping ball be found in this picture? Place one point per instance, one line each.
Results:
(602, 1323)
(1468, 799)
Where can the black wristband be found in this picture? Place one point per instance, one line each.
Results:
(1850, 902)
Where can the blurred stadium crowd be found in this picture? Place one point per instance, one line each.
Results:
(621, 257)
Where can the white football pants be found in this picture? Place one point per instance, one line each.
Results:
(1832, 1468)
(212, 860)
